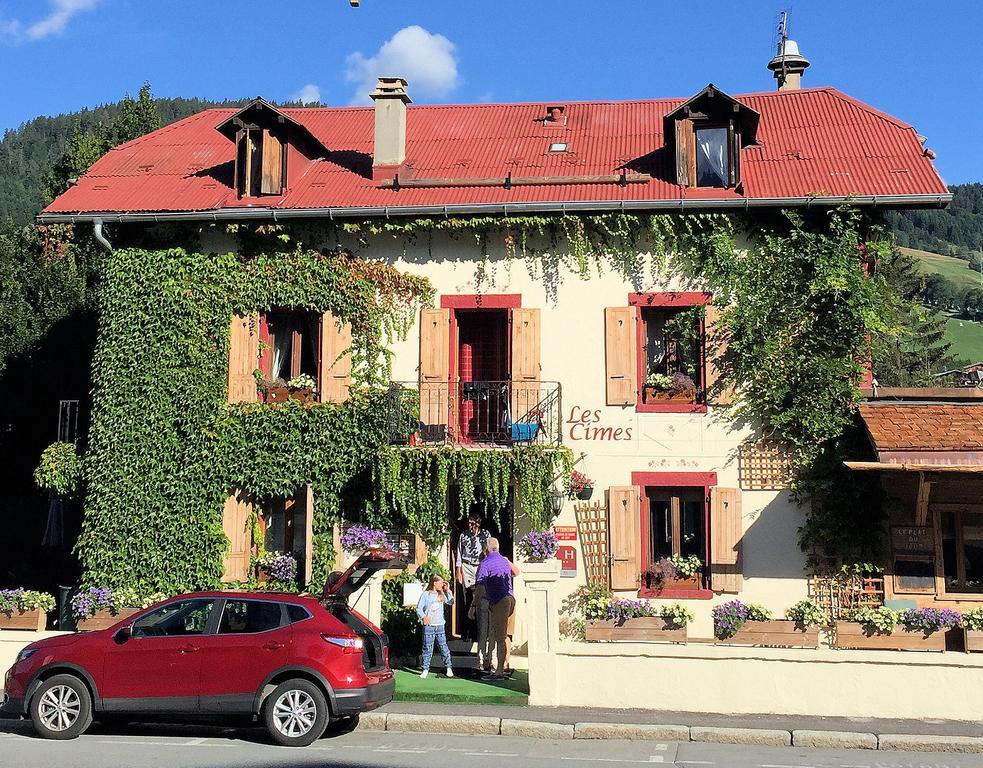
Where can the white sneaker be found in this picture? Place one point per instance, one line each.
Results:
(450, 672)
(424, 674)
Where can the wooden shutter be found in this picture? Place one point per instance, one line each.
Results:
(272, 178)
(685, 153)
(621, 355)
(526, 341)
(720, 385)
(624, 537)
(303, 548)
(335, 370)
(734, 152)
(235, 524)
(434, 365)
(243, 358)
(726, 530)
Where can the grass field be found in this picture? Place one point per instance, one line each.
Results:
(955, 269)
(966, 339)
(461, 689)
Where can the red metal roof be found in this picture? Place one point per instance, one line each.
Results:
(810, 143)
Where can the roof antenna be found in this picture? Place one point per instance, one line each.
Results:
(788, 64)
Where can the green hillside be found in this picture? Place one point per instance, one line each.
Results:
(966, 338)
(957, 270)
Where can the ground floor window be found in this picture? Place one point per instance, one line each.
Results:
(962, 551)
(676, 519)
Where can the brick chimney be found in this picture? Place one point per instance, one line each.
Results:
(788, 65)
(389, 151)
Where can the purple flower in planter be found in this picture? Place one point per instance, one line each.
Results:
(728, 618)
(681, 383)
(358, 538)
(538, 546)
(283, 568)
(91, 601)
(929, 619)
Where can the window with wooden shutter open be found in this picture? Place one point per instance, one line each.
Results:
(526, 341)
(621, 359)
(235, 524)
(726, 530)
(335, 371)
(434, 365)
(624, 535)
(243, 358)
(272, 178)
(685, 153)
(720, 386)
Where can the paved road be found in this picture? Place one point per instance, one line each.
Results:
(174, 746)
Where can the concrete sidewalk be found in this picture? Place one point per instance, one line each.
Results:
(771, 730)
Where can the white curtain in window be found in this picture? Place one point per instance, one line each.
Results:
(713, 148)
(281, 352)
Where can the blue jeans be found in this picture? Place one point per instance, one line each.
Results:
(429, 635)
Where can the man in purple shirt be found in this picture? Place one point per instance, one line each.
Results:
(494, 575)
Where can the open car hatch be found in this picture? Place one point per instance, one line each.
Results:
(343, 586)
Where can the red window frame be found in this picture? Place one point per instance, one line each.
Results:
(668, 300)
(644, 480)
(265, 363)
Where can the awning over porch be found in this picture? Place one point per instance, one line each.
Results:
(924, 436)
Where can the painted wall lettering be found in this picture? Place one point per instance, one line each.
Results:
(585, 424)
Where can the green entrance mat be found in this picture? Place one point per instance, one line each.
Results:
(462, 690)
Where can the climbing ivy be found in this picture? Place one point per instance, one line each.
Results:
(413, 484)
(166, 449)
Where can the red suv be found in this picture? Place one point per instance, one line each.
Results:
(295, 662)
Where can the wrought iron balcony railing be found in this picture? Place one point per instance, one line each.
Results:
(455, 412)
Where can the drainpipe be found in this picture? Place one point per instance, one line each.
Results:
(97, 231)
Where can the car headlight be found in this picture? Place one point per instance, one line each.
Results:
(25, 654)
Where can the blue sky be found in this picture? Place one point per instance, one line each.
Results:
(916, 61)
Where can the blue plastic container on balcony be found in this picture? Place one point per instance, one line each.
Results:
(524, 433)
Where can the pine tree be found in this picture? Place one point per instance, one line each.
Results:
(81, 151)
(136, 117)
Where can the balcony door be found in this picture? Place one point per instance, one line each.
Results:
(481, 370)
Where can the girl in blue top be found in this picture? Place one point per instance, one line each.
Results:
(430, 609)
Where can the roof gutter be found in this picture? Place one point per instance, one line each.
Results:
(505, 209)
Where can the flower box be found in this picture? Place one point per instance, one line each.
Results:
(104, 619)
(33, 620)
(652, 395)
(644, 629)
(303, 395)
(851, 634)
(276, 394)
(780, 633)
(973, 639)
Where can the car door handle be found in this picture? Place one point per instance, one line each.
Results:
(188, 649)
(273, 646)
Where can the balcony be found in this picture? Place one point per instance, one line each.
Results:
(474, 413)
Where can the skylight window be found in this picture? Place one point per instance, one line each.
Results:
(558, 146)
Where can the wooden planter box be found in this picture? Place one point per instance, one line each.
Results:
(276, 394)
(652, 395)
(680, 582)
(777, 632)
(34, 620)
(643, 629)
(974, 639)
(850, 634)
(104, 619)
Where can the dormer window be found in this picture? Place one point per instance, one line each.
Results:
(707, 133)
(713, 161)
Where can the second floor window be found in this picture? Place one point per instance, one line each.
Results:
(292, 345)
(673, 354)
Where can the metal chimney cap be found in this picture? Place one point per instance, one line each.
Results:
(788, 57)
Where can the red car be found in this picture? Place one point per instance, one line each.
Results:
(294, 662)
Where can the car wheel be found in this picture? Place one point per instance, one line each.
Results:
(61, 708)
(344, 724)
(296, 713)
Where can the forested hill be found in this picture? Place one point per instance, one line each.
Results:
(954, 231)
(28, 153)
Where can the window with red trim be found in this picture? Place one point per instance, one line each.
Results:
(289, 344)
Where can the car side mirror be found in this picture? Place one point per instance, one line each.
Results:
(123, 634)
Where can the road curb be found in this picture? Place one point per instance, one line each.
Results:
(834, 739)
(537, 729)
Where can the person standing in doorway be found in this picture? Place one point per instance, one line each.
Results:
(470, 546)
(430, 609)
(495, 576)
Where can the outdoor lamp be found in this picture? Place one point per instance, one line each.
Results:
(557, 497)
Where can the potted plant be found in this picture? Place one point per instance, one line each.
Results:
(273, 390)
(881, 628)
(663, 388)
(276, 571)
(738, 624)
(538, 546)
(675, 572)
(24, 609)
(59, 471)
(302, 388)
(640, 620)
(972, 626)
(356, 539)
(101, 607)
(579, 486)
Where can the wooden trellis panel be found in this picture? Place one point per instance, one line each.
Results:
(765, 465)
(592, 528)
(839, 594)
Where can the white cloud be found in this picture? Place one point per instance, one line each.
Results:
(426, 60)
(62, 12)
(309, 94)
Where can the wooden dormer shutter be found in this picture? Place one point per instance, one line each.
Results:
(620, 355)
(335, 371)
(272, 169)
(685, 153)
(526, 345)
(243, 358)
